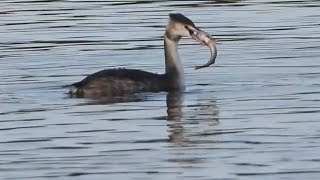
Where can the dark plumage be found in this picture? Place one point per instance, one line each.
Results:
(116, 82)
(181, 18)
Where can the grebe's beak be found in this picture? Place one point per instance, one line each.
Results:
(194, 33)
(205, 39)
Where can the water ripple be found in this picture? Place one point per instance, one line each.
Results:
(254, 114)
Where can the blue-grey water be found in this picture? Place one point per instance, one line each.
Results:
(253, 115)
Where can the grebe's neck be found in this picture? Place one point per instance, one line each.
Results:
(174, 69)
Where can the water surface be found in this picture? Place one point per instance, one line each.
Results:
(254, 115)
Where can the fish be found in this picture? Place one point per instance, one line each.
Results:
(207, 40)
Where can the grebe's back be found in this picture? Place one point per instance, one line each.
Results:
(116, 82)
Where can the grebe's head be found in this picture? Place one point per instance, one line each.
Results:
(181, 26)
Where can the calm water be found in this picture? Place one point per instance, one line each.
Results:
(254, 115)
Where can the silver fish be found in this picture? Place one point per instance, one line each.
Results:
(208, 41)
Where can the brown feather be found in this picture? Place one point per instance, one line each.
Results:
(117, 82)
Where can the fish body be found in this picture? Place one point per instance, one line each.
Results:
(209, 41)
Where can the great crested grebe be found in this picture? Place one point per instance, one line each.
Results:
(118, 82)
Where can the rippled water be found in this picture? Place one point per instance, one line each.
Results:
(255, 115)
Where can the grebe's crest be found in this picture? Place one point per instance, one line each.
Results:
(181, 18)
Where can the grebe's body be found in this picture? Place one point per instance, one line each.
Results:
(118, 82)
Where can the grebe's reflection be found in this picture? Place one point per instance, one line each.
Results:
(174, 105)
(185, 127)
(174, 112)
(204, 114)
